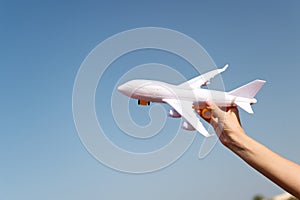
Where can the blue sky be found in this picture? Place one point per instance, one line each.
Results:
(43, 45)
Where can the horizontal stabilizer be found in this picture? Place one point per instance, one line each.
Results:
(249, 90)
(245, 106)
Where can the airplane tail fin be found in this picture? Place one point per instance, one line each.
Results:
(249, 90)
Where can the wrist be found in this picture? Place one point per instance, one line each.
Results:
(238, 142)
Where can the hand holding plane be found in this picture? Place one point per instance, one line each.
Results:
(188, 96)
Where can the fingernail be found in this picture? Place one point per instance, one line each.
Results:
(208, 103)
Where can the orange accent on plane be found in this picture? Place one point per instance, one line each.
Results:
(143, 103)
(203, 111)
(206, 113)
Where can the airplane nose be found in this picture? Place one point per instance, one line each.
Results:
(123, 88)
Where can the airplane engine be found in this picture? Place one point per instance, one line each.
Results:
(143, 102)
(187, 126)
(174, 114)
(206, 113)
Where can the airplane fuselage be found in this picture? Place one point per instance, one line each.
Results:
(156, 91)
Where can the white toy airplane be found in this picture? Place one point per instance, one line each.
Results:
(184, 98)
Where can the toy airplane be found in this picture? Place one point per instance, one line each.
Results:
(184, 98)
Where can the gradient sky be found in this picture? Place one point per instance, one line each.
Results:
(43, 44)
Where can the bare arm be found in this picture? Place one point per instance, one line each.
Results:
(281, 171)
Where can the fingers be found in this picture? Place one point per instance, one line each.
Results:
(216, 111)
(217, 125)
(217, 119)
(235, 111)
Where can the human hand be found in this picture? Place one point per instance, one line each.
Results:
(278, 169)
(226, 123)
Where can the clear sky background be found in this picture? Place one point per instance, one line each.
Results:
(43, 44)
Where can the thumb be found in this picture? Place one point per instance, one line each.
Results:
(216, 111)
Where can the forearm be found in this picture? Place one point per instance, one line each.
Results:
(281, 171)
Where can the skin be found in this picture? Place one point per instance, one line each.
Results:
(281, 171)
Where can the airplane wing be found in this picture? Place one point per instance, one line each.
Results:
(202, 79)
(185, 109)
